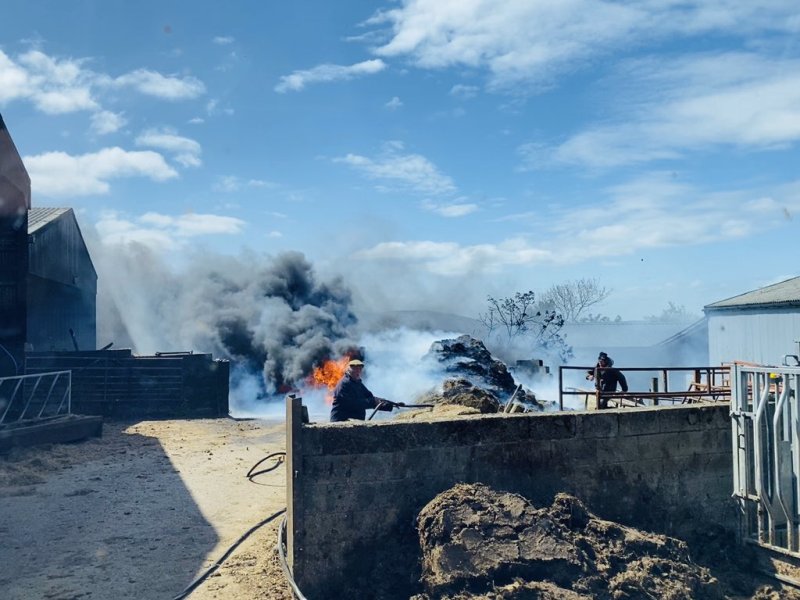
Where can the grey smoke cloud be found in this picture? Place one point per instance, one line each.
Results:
(269, 314)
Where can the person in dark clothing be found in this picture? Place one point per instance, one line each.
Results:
(351, 398)
(606, 378)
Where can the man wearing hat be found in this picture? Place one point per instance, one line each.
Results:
(606, 378)
(351, 398)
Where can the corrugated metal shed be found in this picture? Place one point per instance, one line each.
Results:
(57, 250)
(760, 326)
(62, 283)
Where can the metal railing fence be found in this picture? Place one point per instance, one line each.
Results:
(765, 418)
(41, 395)
(667, 385)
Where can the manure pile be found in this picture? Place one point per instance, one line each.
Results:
(478, 543)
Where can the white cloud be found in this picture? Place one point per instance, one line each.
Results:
(213, 108)
(223, 40)
(325, 73)
(54, 86)
(689, 104)
(185, 150)
(152, 83)
(64, 100)
(655, 211)
(105, 122)
(228, 184)
(115, 230)
(62, 85)
(394, 103)
(259, 183)
(652, 211)
(464, 91)
(162, 232)
(448, 258)
(14, 82)
(60, 175)
(451, 210)
(520, 40)
(274, 234)
(409, 170)
(192, 224)
(232, 183)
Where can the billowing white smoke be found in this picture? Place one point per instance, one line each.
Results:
(396, 369)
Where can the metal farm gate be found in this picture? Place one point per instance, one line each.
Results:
(765, 417)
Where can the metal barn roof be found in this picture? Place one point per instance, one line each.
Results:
(39, 217)
(785, 293)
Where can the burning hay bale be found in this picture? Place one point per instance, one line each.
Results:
(480, 543)
(461, 392)
(478, 377)
(467, 357)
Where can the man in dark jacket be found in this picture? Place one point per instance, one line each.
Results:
(351, 398)
(607, 377)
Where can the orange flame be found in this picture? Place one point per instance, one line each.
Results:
(328, 375)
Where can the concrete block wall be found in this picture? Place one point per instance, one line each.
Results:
(355, 489)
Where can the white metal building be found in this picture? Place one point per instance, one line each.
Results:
(761, 326)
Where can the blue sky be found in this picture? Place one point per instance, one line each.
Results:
(431, 151)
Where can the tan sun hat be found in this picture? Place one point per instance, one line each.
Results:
(355, 363)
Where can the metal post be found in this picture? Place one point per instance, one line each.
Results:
(654, 389)
(294, 495)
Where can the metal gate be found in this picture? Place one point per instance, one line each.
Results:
(765, 418)
(37, 396)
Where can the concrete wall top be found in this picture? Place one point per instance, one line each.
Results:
(472, 430)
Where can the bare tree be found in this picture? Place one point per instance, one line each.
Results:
(573, 298)
(673, 313)
(514, 314)
(520, 315)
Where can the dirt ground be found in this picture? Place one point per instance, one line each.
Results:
(143, 511)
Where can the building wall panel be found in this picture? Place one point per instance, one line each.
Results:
(53, 310)
(763, 336)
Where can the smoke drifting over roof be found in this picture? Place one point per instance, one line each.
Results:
(268, 314)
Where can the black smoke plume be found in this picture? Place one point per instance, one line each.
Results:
(267, 314)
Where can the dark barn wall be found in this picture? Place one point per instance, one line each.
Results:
(354, 490)
(13, 269)
(54, 309)
(62, 287)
